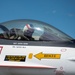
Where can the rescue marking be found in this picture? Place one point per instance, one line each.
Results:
(47, 56)
(15, 58)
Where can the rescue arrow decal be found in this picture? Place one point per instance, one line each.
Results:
(47, 56)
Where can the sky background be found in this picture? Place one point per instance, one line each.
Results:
(58, 13)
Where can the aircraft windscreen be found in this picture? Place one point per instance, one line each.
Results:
(31, 30)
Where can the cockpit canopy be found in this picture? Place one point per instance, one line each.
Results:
(31, 30)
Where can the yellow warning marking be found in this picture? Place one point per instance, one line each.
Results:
(15, 58)
(30, 56)
(47, 56)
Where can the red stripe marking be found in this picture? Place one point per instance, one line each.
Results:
(1, 47)
(24, 66)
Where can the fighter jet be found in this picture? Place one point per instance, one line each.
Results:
(31, 47)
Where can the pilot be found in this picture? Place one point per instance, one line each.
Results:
(25, 34)
(13, 33)
(17, 34)
(28, 31)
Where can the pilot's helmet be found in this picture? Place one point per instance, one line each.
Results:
(28, 29)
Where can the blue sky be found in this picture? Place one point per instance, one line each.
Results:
(59, 13)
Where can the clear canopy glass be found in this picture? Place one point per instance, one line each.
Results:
(31, 30)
